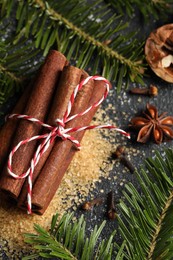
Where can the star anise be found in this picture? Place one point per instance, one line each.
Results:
(153, 125)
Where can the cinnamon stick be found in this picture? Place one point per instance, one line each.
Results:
(8, 129)
(69, 79)
(37, 106)
(60, 158)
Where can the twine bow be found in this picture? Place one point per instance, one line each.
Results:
(57, 131)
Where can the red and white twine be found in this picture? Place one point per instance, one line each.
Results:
(57, 131)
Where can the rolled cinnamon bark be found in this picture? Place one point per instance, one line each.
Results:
(60, 157)
(70, 77)
(8, 129)
(37, 106)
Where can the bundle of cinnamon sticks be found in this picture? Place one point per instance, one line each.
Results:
(46, 100)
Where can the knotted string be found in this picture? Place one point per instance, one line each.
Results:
(57, 131)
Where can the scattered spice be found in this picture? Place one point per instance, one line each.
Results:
(152, 124)
(158, 51)
(59, 155)
(37, 106)
(151, 91)
(120, 154)
(77, 183)
(111, 206)
(120, 150)
(88, 205)
(127, 164)
(9, 128)
(75, 186)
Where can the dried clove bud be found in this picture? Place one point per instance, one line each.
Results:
(158, 51)
(120, 154)
(111, 212)
(88, 205)
(127, 163)
(120, 150)
(151, 91)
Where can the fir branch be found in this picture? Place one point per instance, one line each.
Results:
(81, 31)
(82, 34)
(15, 64)
(159, 226)
(67, 240)
(8, 80)
(9, 74)
(145, 222)
(148, 8)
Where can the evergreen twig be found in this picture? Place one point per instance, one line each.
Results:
(148, 8)
(67, 240)
(15, 64)
(145, 222)
(81, 30)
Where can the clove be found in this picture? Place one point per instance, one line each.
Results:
(151, 91)
(127, 164)
(88, 205)
(111, 213)
(120, 154)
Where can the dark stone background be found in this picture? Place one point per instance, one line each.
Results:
(126, 106)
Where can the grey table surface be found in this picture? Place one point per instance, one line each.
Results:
(127, 106)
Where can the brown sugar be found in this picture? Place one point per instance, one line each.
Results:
(87, 167)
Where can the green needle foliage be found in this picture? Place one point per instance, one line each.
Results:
(91, 34)
(67, 240)
(16, 62)
(145, 222)
(148, 8)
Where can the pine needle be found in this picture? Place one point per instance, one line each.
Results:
(145, 222)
